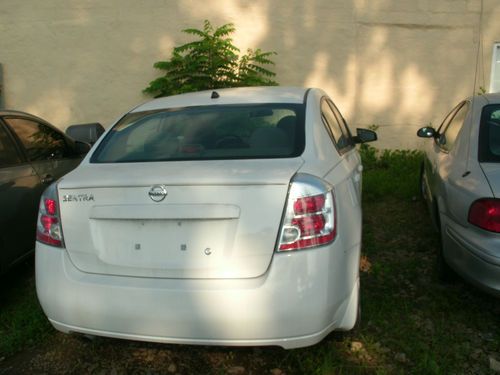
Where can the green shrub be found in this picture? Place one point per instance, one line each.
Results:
(390, 172)
(211, 62)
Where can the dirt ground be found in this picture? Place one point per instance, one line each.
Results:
(63, 354)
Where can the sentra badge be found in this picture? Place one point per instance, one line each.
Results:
(78, 198)
(158, 193)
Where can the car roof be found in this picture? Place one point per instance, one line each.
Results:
(492, 98)
(241, 95)
(11, 112)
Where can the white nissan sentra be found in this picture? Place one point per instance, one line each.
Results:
(227, 217)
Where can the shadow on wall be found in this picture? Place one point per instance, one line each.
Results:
(1, 88)
(398, 64)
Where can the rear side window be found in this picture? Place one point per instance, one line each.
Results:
(206, 133)
(448, 138)
(40, 141)
(489, 134)
(348, 142)
(336, 126)
(8, 152)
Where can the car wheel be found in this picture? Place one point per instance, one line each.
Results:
(357, 325)
(445, 273)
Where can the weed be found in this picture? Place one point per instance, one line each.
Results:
(22, 322)
(390, 172)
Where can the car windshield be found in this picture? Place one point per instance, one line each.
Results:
(489, 134)
(204, 133)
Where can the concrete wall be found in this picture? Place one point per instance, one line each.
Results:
(399, 64)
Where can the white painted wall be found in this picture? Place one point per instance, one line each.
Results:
(399, 64)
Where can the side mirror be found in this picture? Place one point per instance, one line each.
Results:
(426, 132)
(87, 133)
(364, 136)
(82, 148)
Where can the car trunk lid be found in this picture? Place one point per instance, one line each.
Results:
(218, 219)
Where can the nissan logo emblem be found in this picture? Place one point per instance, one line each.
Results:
(158, 193)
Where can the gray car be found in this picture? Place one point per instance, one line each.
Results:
(460, 181)
(33, 154)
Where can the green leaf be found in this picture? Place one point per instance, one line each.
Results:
(211, 61)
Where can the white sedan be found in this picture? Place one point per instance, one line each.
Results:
(227, 217)
(460, 180)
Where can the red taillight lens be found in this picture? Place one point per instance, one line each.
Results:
(48, 221)
(485, 213)
(309, 242)
(310, 225)
(48, 229)
(50, 206)
(309, 219)
(51, 233)
(309, 204)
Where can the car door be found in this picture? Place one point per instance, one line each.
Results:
(342, 139)
(48, 150)
(20, 190)
(352, 157)
(448, 165)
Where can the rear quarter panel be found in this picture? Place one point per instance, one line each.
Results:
(461, 180)
(343, 172)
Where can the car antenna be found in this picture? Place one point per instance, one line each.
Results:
(215, 95)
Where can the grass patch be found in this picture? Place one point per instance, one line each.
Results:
(392, 173)
(426, 327)
(22, 322)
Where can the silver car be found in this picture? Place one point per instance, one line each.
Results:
(460, 181)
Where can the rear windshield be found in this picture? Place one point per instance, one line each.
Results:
(205, 133)
(489, 134)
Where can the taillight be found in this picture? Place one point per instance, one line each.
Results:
(48, 229)
(485, 213)
(309, 219)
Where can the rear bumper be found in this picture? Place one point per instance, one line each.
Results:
(300, 299)
(463, 251)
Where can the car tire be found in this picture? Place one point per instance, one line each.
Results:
(357, 324)
(85, 338)
(339, 336)
(446, 274)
